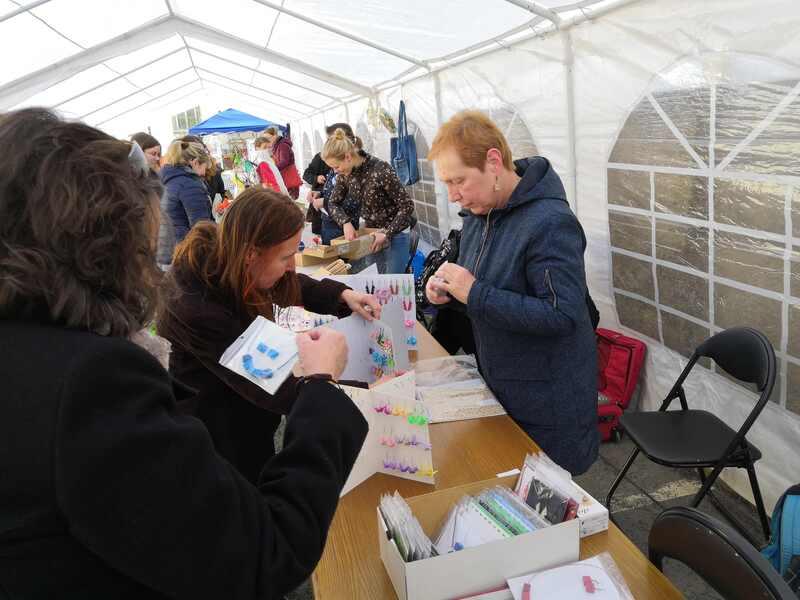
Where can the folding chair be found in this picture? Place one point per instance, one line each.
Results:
(717, 553)
(697, 439)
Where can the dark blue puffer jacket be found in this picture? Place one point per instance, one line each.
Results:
(187, 200)
(534, 338)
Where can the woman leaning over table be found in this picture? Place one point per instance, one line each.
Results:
(385, 204)
(223, 276)
(106, 490)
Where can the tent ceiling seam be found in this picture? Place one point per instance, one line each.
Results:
(255, 87)
(269, 38)
(137, 107)
(138, 91)
(343, 33)
(122, 75)
(256, 71)
(240, 92)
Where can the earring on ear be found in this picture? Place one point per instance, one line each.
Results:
(496, 183)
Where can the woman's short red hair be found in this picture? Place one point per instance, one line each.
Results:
(471, 134)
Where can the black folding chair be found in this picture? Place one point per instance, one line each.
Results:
(717, 553)
(697, 439)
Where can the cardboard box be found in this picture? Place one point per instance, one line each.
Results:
(322, 251)
(472, 570)
(359, 247)
(301, 259)
(592, 516)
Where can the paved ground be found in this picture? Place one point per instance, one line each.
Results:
(647, 490)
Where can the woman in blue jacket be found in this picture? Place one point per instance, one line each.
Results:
(520, 278)
(186, 201)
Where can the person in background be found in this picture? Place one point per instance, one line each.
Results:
(268, 172)
(373, 184)
(107, 491)
(520, 278)
(221, 279)
(315, 175)
(213, 176)
(187, 201)
(151, 148)
(283, 155)
(319, 199)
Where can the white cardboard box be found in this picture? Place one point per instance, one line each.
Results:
(472, 570)
(592, 516)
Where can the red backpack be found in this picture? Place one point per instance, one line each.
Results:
(619, 361)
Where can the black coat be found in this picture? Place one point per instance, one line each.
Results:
(106, 491)
(314, 169)
(240, 416)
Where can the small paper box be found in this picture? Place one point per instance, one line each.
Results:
(321, 251)
(472, 570)
(359, 247)
(304, 260)
(592, 516)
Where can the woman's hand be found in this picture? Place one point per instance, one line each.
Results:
(435, 292)
(321, 179)
(364, 305)
(317, 201)
(457, 281)
(349, 232)
(322, 351)
(379, 241)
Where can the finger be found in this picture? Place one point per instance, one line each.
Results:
(314, 334)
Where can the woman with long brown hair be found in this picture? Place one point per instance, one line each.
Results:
(222, 278)
(107, 491)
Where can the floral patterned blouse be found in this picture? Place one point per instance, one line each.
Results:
(384, 201)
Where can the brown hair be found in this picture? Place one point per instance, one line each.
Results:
(145, 140)
(471, 134)
(78, 225)
(216, 255)
(260, 141)
(271, 131)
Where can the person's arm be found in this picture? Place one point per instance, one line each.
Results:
(397, 195)
(142, 488)
(209, 337)
(555, 271)
(315, 168)
(324, 296)
(334, 205)
(283, 156)
(195, 202)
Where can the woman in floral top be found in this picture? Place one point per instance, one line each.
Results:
(384, 202)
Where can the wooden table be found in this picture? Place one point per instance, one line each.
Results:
(463, 452)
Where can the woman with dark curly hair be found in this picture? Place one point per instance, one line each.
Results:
(107, 491)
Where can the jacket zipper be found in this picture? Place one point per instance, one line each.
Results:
(549, 282)
(478, 262)
(483, 242)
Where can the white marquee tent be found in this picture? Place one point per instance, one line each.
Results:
(675, 125)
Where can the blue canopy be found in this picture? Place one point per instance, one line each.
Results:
(233, 120)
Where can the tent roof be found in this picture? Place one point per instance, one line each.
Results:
(231, 120)
(98, 60)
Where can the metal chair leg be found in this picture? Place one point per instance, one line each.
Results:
(722, 509)
(619, 478)
(762, 512)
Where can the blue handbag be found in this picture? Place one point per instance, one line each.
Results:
(404, 151)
